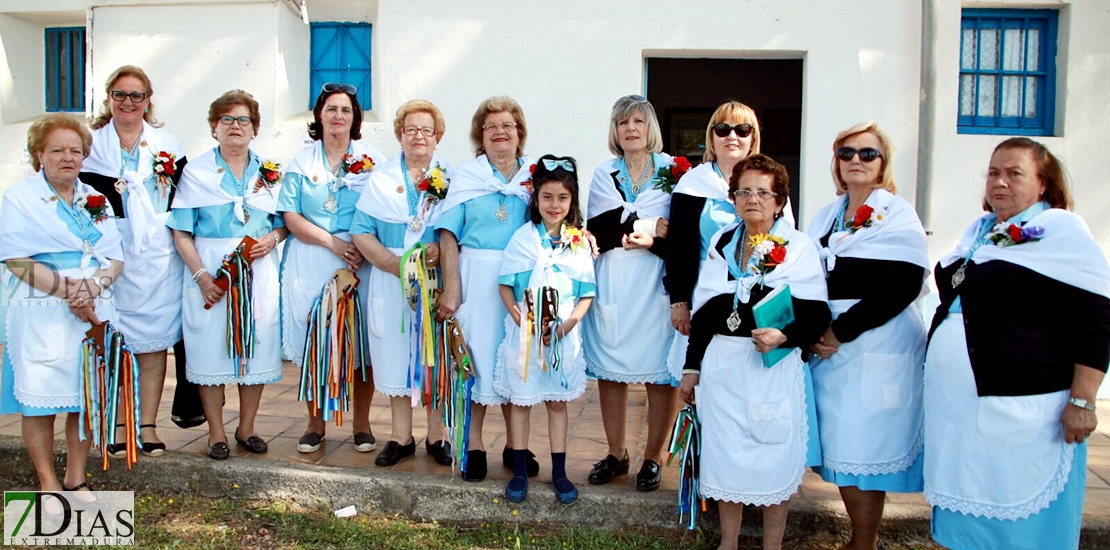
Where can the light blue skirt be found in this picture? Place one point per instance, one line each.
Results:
(1053, 528)
(813, 452)
(8, 402)
(910, 480)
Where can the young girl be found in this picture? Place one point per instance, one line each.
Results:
(547, 284)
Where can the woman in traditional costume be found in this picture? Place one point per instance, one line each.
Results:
(318, 194)
(627, 334)
(60, 244)
(547, 285)
(231, 329)
(867, 367)
(397, 210)
(1016, 353)
(487, 203)
(754, 423)
(137, 165)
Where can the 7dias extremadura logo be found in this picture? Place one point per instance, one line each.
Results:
(59, 518)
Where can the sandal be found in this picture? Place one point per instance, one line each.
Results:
(152, 449)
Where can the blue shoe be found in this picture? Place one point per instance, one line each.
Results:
(565, 491)
(517, 489)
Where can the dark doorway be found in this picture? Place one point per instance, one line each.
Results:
(685, 92)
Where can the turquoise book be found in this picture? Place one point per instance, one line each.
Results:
(775, 310)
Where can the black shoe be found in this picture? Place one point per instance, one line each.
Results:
(475, 466)
(117, 450)
(533, 466)
(152, 449)
(219, 451)
(608, 468)
(394, 452)
(253, 443)
(649, 477)
(440, 451)
(365, 442)
(310, 442)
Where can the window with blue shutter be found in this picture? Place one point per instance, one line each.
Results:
(1008, 72)
(65, 69)
(340, 53)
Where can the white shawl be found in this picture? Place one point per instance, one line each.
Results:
(104, 159)
(474, 178)
(382, 200)
(801, 269)
(703, 181)
(1066, 252)
(900, 237)
(526, 252)
(309, 162)
(200, 187)
(604, 196)
(30, 225)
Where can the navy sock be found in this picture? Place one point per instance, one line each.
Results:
(520, 463)
(558, 466)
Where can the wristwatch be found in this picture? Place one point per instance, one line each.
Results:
(1081, 403)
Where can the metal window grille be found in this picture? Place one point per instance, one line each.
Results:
(65, 69)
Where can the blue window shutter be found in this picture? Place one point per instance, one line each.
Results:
(65, 69)
(340, 52)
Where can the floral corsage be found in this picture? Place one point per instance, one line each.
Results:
(768, 251)
(572, 238)
(1004, 234)
(435, 182)
(668, 176)
(353, 165)
(95, 205)
(527, 184)
(268, 175)
(165, 168)
(867, 216)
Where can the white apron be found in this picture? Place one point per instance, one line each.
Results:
(44, 343)
(627, 333)
(482, 317)
(996, 457)
(208, 363)
(387, 315)
(306, 268)
(753, 422)
(868, 396)
(146, 293)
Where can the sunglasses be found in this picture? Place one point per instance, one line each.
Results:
(338, 87)
(867, 154)
(136, 97)
(723, 130)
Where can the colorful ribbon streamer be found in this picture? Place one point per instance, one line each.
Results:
(686, 444)
(110, 393)
(335, 347)
(236, 268)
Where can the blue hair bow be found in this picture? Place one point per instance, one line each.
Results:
(552, 164)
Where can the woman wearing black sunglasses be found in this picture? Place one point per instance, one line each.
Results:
(318, 194)
(867, 369)
(136, 165)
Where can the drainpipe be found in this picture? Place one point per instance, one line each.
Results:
(926, 128)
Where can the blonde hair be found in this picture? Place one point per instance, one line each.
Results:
(492, 106)
(731, 110)
(47, 124)
(419, 106)
(105, 115)
(623, 110)
(886, 147)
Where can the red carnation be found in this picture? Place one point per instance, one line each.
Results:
(863, 214)
(1015, 233)
(680, 167)
(778, 254)
(97, 201)
(422, 186)
(532, 169)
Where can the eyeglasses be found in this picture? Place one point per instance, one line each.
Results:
(243, 121)
(338, 87)
(867, 154)
(428, 131)
(761, 194)
(504, 127)
(136, 97)
(723, 130)
(634, 97)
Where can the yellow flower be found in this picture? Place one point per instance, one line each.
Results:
(271, 165)
(572, 237)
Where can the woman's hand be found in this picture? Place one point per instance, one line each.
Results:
(562, 329)
(826, 345)
(767, 339)
(1078, 423)
(636, 240)
(209, 290)
(590, 238)
(431, 257)
(347, 252)
(264, 245)
(686, 387)
(661, 228)
(680, 317)
(448, 303)
(86, 313)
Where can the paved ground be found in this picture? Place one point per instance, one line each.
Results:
(282, 420)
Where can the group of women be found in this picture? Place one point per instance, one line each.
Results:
(685, 260)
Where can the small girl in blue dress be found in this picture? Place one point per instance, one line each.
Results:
(547, 284)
